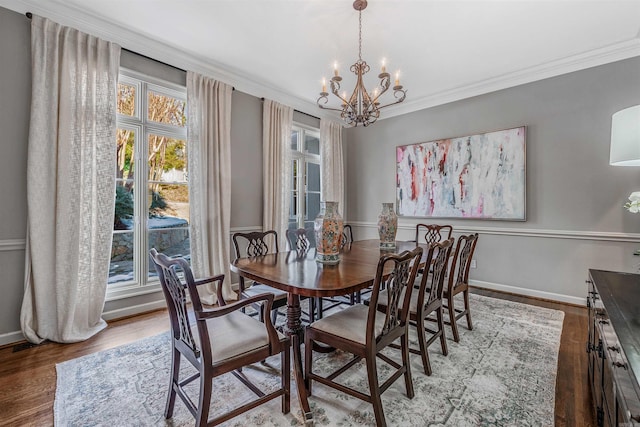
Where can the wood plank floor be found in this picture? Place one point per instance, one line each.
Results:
(28, 376)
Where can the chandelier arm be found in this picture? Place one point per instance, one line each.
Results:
(399, 98)
(335, 89)
(385, 82)
(329, 108)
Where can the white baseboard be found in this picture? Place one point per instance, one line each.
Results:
(529, 292)
(133, 310)
(11, 337)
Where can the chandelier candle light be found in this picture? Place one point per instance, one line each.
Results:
(361, 108)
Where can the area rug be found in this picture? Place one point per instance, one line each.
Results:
(502, 373)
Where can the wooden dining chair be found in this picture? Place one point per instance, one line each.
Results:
(298, 239)
(347, 235)
(347, 238)
(428, 301)
(300, 242)
(257, 243)
(220, 340)
(458, 282)
(432, 233)
(364, 331)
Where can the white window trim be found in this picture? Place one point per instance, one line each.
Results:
(141, 285)
(301, 157)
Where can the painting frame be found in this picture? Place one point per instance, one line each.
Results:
(480, 177)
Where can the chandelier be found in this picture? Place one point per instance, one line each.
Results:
(362, 107)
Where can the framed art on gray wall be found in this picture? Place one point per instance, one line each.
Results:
(478, 177)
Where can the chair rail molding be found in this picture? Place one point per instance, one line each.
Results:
(12, 245)
(527, 232)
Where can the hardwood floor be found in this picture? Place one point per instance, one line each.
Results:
(28, 376)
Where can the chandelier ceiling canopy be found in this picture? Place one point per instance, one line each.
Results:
(361, 107)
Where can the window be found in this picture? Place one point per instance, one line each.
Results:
(305, 177)
(152, 195)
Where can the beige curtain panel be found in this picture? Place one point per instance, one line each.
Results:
(70, 182)
(209, 162)
(332, 163)
(277, 120)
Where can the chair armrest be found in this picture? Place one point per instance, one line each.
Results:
(219, 278)
(235, 306)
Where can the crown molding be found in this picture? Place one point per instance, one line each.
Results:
(177, 56)
(605, 55)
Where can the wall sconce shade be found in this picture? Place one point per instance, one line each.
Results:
(625, 137)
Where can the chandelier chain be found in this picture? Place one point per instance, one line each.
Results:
(360, 35)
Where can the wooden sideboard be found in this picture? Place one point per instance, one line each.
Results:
(613, 347)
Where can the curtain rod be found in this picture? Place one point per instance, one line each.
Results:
(30, 15)
(301, 112)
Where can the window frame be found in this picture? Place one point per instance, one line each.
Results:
(143, 127)
(302, 157)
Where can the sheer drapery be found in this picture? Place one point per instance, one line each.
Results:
(209, 161)
(70, 182)
(332, 162)
(277, 120)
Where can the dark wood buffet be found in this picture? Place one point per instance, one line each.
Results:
(613, 347)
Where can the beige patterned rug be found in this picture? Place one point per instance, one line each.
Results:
(502, 373)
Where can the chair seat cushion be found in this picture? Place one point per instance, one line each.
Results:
(234, 334)
(259, 288)
(413, 304)
(350, 323)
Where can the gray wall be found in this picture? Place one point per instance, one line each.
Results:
(575, 218)
(15, 96)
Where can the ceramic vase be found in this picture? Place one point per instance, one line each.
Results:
(387, 226)
(328, 232)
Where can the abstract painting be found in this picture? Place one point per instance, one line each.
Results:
(480, 177)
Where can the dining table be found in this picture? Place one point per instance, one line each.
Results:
(300, 275)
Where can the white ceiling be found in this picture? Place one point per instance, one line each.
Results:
(281, 49)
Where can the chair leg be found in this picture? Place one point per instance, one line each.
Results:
(424, 351)
(312, 309)
(175, 373)
(452, 318)
(443, 337)
(308, 363)
(285, 362)
(408, 382)
(374, 388)
(468, 309)
(202, 416)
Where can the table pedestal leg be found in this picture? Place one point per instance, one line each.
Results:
(295, 331)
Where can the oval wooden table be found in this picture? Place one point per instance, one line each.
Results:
(299, 274)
